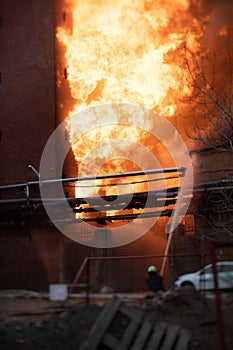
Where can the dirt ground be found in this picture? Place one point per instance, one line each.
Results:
(30, 321)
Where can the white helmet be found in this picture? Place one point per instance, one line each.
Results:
(152, 268)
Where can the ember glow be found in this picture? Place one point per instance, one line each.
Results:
(125, 51)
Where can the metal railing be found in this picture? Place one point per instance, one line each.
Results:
(85, 267)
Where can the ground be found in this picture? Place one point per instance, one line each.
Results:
(32, 321)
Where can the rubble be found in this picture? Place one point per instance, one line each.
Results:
(69, 328)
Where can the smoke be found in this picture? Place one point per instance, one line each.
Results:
(217, 36)
(209, 69)
(206, 7)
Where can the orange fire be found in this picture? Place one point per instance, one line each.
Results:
(124, 51)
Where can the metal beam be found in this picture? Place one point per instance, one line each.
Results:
(180, 170)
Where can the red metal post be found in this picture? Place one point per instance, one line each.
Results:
(217, 299)
(88, 282)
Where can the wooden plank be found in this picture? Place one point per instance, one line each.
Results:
(143, 334)
(110, 341)
(183, 340)
(101, 325)
(127, 338)
(170, 338)
(131, 311)
(159, 330)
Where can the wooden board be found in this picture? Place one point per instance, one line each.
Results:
(183, 340)
(170, 338)
(101, 325)
(136, 318)
(157, 336)
(141, 332)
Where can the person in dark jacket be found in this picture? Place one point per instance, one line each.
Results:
(154, 283)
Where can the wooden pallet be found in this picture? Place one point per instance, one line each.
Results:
(123, 327)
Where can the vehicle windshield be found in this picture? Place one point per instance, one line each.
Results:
(222, 267)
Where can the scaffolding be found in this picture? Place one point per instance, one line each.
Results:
(24, 198)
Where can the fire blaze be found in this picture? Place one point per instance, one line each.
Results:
(132, 52)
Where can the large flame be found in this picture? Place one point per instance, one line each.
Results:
(125, 51)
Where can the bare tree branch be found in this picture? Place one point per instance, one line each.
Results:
(211, 103)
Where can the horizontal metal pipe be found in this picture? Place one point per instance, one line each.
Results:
(169, 193)
(114, 176)
(15, 201)
(98, 177)
(8, 187)
(223, 181)
(140, 256)
(127, 174)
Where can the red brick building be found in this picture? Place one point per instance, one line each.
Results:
(32, 254)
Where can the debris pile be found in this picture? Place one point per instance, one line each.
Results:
(183, 316)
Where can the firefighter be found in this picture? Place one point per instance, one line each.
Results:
(154, 283)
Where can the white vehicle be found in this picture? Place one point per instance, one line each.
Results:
(204, 278)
